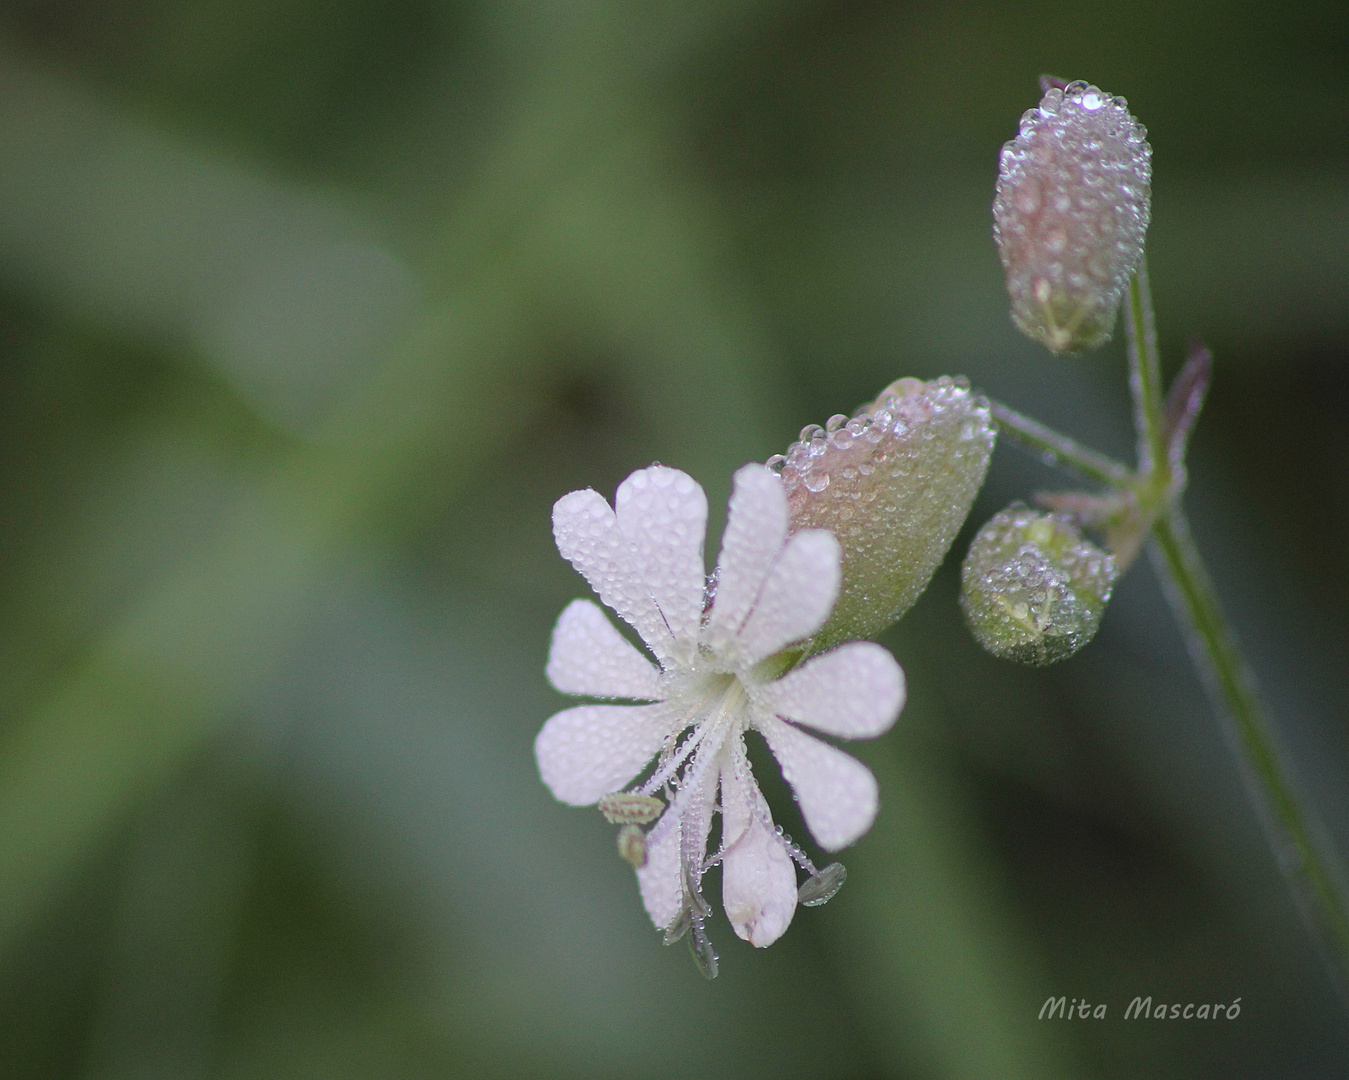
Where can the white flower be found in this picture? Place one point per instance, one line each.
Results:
(644, 558)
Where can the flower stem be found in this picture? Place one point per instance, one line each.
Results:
(1145, 378)
(1060, 449)
(1290, 827)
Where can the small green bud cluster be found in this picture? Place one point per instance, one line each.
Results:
(1070, 213)
(1032, 589)
(893, 484)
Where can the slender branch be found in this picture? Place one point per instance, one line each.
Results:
(1145, 378)
(1060, 449)
(1291, 829)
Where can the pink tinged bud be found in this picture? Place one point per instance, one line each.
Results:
(893, 484)
(1070, 214)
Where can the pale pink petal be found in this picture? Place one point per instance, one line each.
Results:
(837, 793)
(589, 656)
(684, 825)
(663, 513)
(758, 878)
(855, 691)
(756, 529)
(588, 537)
(796, 597)
(591, 750)
(660, 881)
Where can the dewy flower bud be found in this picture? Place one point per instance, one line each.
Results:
(893, 484)
(1070, 214)
(1032, 589)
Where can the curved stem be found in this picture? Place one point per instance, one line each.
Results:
(1291, 829)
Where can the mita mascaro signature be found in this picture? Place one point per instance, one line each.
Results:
(1141, 1008)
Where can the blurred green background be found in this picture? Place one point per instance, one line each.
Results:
(309, 311)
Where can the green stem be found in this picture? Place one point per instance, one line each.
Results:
(1291, 828)
(1060, 449)
(1145, 380)
(1215, 651)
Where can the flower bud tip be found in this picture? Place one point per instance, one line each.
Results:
(1070, 213)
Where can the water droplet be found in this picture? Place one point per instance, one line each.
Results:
(816, 481)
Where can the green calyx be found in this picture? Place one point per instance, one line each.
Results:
(1032, 589)
(893, 484)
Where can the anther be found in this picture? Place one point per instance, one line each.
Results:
(630, 808)
(632, 846)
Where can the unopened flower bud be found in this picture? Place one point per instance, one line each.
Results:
(893, 484)
(1070, 214)
(1032, 589)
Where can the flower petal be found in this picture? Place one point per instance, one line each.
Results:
(797, 595)
(855, 691)
(663, 513)
(589, 656)
(660, 880)
(758, 878)
(837, 793)
(588, 537)
(681, 830)
(589, 751)
(756, 529)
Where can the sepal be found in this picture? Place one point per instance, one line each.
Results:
(1032, 589)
